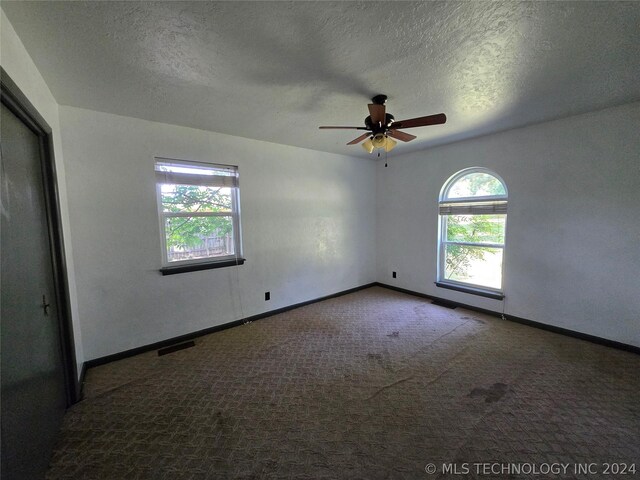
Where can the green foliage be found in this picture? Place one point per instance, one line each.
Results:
(459, 257)
(484, 184)
(475, 228)
(471, 229)
(189, 198)
(190, 232)
(477, 185)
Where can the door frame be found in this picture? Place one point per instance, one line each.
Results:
(12, 97)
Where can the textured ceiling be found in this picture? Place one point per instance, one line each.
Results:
(275, 71)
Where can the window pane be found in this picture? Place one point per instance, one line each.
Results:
(191, 198)
(476, 184)
(476, 228)
(198, 237)
(476, 265)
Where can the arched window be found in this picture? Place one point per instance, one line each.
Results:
(473, 219)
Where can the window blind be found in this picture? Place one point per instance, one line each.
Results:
(474, 208)
(199, 175)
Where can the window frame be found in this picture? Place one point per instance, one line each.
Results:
(195, 264)
(468, 287)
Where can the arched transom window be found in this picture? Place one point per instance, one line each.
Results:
(473, 218)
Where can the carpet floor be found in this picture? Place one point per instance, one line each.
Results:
(371, 385)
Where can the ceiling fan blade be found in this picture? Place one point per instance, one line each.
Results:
(377, 113)
(359, 139)
(405, 137)
(436, 119)
(343, 128)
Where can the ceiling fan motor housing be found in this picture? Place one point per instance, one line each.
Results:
(377, 128)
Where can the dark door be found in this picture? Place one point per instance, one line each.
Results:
(34, 395)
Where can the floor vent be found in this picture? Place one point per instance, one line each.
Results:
(445, 303)
(175, 348)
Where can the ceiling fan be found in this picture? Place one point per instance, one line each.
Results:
(382, 128)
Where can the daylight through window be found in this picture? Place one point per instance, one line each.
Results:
(198, 207)
(473, 217)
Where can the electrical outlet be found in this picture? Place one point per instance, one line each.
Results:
(394, 274)
(267, 296)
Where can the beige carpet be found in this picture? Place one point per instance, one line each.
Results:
(371, 385)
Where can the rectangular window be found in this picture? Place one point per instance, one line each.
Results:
(199, 209)
(472, 249)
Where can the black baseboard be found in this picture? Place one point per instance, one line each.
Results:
(543, 326)
(190, 336)
(83, 372)
(175, 348)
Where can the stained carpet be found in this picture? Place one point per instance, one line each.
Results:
(372, 385)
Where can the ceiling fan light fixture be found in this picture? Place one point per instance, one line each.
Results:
(389, 144)
(368, 146)
(379, 140)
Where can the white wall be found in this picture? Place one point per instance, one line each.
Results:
(308, 224)
(18, 64)
(573, 231)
